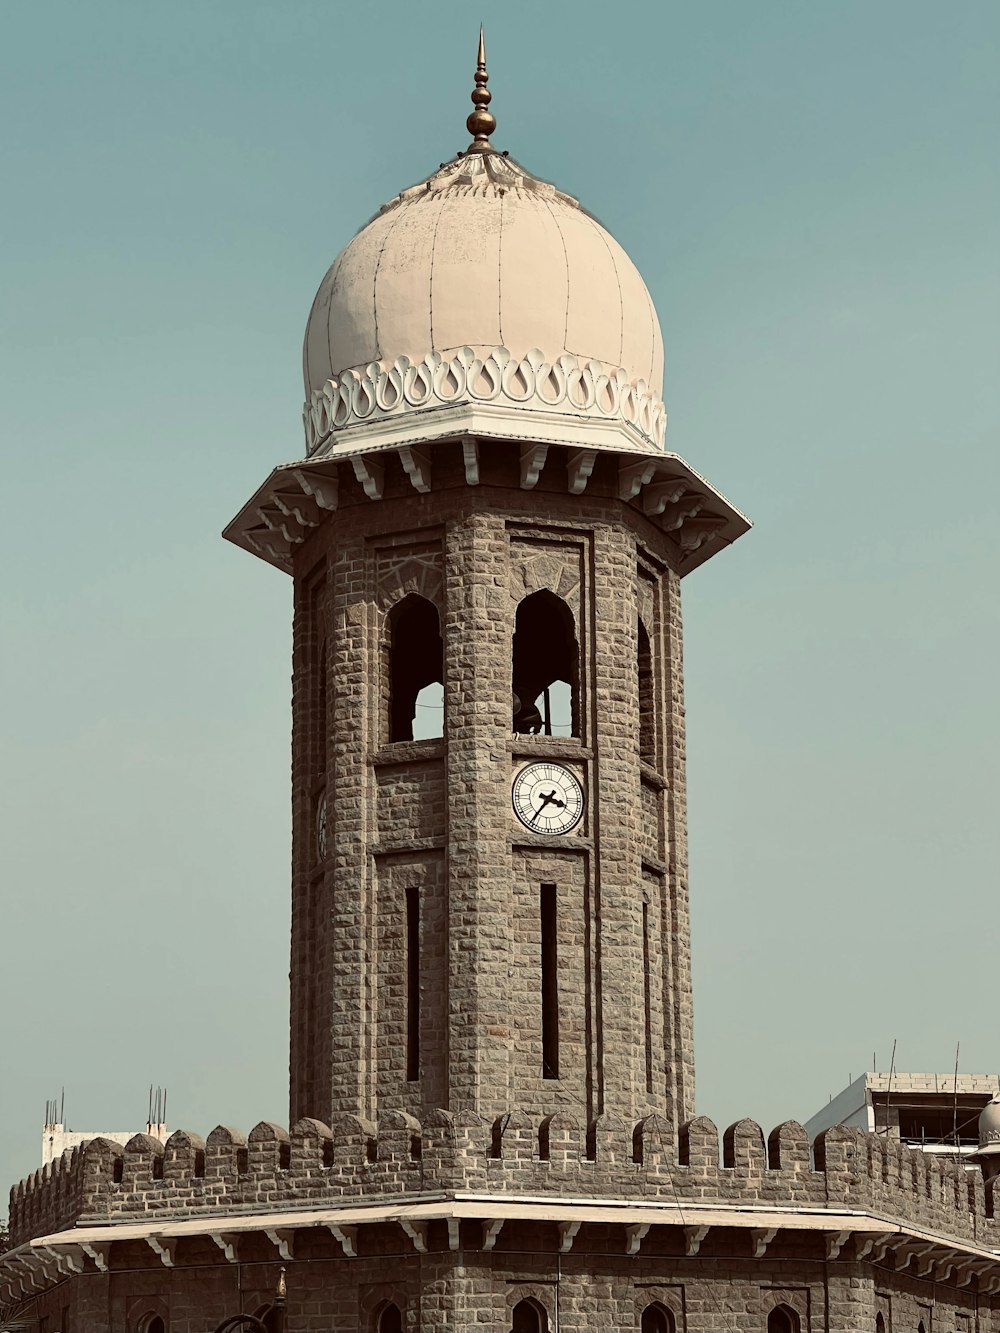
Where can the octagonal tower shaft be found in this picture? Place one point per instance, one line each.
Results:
(443, 954)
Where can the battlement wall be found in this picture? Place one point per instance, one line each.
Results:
(316, 1166)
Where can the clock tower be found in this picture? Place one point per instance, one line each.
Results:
(492, 1094)
(487, 538)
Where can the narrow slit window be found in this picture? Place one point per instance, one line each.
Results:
(647, 704)
(316, 624)
(412, 984)
(545, 670)
(647, 998)
(416, 671)
(550, 986)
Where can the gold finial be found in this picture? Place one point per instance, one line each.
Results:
(481, 123)
(281, 1291)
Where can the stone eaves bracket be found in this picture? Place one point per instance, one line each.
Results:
(662, 487)
(164, 1246)
(347, 1238)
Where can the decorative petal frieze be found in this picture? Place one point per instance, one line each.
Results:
(569, 384)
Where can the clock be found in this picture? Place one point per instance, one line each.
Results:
(547, 798)
(321, 827)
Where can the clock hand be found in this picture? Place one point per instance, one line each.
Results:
(548, 798)
(551, 799)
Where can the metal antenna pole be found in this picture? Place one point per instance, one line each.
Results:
(888, 1094)
(958, 1152)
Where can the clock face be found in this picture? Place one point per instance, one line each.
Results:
(321, 827)
(547, 798)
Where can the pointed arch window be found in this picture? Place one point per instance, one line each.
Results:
(656, 1318)
(416, 671)
(545, 674)
(782, 1319)
(390, 1319)
(879, 1324)
(528, 1317)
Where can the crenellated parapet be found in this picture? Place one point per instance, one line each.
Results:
(315, 1166)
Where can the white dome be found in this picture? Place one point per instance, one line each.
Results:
(482, 265)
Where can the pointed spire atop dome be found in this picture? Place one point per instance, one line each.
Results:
(481, 123)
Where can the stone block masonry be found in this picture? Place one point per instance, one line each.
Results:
(427, 825)
(515, 1155)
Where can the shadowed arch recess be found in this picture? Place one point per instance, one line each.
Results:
(415, 666)
(545, 669)
(528, 1317)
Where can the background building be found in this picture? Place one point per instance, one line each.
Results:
(938, 1113)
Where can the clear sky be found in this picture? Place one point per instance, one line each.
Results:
(811, 192)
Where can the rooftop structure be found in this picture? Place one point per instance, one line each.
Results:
(938, 1113)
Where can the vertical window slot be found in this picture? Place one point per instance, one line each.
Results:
(550, 985)
(647, 998)
(412, 984)
(647, 697)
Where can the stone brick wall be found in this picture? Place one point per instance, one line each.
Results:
(591, 1289)
(319, 1166)
(475, 553)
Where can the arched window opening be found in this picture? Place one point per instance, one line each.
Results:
(879, 1324)
(390, 1320)
(782, 1319)
(545, 676)
(921, 1328)
(647, 703)
(152, 1323)
(529, 1317)
(416, 676)
(657, 1318)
